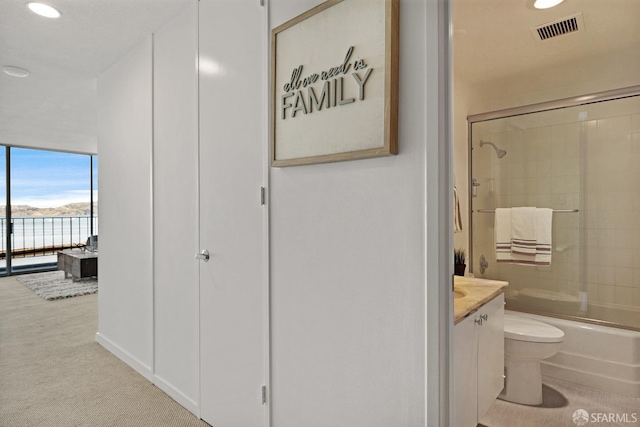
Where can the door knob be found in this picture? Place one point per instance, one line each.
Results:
(204, 255)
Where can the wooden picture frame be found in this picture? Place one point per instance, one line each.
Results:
(334, 83)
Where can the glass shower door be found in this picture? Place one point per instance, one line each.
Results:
(581, 161)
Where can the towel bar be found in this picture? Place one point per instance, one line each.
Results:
(554, 211)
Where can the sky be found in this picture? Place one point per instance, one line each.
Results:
(47, 179)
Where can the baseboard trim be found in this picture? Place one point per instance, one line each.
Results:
(177, 395)
(123, 355)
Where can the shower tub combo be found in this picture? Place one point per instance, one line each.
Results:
(580, 159)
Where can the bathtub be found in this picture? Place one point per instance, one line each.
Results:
(599, 357)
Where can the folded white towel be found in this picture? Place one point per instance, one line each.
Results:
(544, 219)
(523, 233)
(502, 231)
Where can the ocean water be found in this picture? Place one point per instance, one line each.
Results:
(38, 232)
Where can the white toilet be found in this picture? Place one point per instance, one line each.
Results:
(526, 343)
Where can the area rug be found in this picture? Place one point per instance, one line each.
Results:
(53, 285)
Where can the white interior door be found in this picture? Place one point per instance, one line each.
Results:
(232, 41)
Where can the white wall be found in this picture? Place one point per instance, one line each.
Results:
(590, 75)
(350, 306)
(125, 142)
(348, 256)
(40, 139)
(175, 216)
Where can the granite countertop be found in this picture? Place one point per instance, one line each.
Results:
(476, 292)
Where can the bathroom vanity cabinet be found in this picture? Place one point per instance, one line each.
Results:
(478, 355)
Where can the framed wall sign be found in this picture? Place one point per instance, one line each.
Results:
(334, 83)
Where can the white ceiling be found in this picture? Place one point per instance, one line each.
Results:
(492, 38)
(56, 105)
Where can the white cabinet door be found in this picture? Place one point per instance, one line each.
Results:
(490, 354)
(465, 363)
(478, 361)
(232, 159)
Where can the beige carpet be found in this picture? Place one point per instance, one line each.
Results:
(53, 373)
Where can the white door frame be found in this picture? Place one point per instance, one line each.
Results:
(439, 227)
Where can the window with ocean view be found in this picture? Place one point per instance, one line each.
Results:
(53, 200)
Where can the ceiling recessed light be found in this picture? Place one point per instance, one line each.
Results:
(44, 10)
(15, 71)
(546, 4)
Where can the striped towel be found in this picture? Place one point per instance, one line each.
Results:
(523, 233)
(502, 230)
(544, 218)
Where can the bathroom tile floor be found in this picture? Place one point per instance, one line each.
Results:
(560, 401)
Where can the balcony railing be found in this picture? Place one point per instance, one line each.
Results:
(44, 235)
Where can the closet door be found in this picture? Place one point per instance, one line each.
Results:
(232, 157)
(175, 208)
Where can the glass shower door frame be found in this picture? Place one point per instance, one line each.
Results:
(528, 109)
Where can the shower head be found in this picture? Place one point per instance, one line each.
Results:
(499, 152)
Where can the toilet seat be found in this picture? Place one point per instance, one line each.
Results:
(524, 329)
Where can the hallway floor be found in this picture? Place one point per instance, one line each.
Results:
(561, 400)
(53, 373)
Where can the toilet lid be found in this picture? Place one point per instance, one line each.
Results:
(524, 329)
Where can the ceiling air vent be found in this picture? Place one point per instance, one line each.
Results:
(568, 25)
